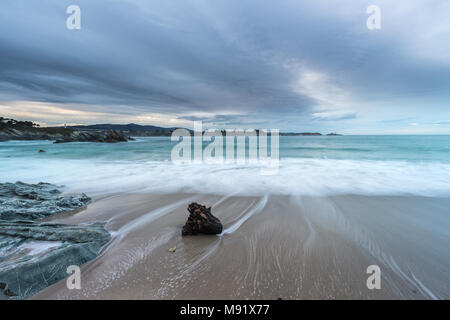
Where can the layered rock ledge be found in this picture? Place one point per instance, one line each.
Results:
(109, 136)
(36, 254)
(35, 201)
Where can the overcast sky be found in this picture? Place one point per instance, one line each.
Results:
(288, 64)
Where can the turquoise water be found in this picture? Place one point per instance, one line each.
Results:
(407, 148)
(308, 165)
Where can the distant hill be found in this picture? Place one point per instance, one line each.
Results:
(300, 134)
(11, 129)
(148, 130)
(131, 129)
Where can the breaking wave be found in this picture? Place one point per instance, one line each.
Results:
(294, 177)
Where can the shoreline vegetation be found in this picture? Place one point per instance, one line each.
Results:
(11, 129)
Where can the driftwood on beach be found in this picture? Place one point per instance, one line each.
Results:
(201, 220)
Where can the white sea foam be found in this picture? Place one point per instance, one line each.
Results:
(295, 177)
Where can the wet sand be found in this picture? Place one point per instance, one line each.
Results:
(272, 247)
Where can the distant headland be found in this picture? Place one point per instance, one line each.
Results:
(11, 129)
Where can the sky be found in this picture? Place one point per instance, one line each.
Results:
(291, 65)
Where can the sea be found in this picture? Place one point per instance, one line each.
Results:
(308, 165)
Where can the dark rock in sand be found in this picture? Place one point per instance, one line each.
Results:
(201, 220)
(35, 201)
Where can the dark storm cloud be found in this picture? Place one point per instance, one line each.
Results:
(239, 62)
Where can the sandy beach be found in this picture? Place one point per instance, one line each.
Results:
(289, 247)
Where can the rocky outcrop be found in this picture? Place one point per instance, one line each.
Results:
(109, 136)
(31, 133)
(60, 134)
(201, 220)
(35, 201)
(132, 129)
(33, 254)
(45, 231)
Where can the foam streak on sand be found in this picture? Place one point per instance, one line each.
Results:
(152, 215)
(155, 214)
(251, 210)
(328, 214)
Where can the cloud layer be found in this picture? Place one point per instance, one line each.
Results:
(294, 65)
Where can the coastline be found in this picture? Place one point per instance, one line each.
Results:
(272, 247)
